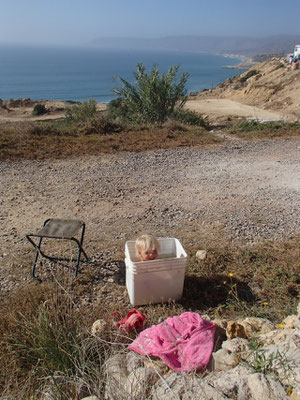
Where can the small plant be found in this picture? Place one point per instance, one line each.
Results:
(188, 117)
(153, 97)
(39, 109)
(263, 363)
(248, 75)
(99, 126)
(82, 112)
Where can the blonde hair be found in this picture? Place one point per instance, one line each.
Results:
(146, 243)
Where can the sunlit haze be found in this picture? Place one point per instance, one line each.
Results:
(78, 22)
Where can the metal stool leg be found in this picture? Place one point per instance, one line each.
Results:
(35, 260)
(80, 250)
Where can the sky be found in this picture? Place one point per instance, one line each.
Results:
(78, 22)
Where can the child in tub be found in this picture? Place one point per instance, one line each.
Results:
(146, 247)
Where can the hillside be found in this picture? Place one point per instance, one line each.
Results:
(247, 46)
(271, 85)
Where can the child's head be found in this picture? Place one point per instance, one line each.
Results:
(147, 247)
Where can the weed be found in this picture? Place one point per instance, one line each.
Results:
(39, 109)
(248, 75)
(81, 112)
(188, 117)
(263, 363)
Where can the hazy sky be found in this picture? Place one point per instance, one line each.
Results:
(80, 21)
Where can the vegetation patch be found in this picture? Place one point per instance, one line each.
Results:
(255, 129)
(39, 109)
(100, 134)
(45, 339)
(153, 97)
(82, 111)
(248, 75)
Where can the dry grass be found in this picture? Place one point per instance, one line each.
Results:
(40, 140)
(253, 130)
(45, 336)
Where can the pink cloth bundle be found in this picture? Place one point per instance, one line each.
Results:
(184, 343)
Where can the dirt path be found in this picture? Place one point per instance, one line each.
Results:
(223, 107)
(241, 191)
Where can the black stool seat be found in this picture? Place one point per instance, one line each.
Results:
(58, 229)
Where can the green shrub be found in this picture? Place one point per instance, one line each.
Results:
(153, 97)
(188, 117)
(39, 109)
(248, 75)
(118, 109)
(99, 125)
(82, 111)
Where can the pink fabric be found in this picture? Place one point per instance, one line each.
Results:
(185, 343)
(134, 321)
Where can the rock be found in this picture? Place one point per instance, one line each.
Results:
(228, 382)
(285, 357)
(133, 361)
(289, 321)
(201, 254)
(222, 323)
(223, 360)
(98, 327)
(259, 386)
(91, 398)
(236, 346)
(234, 330)
(185, 387)
(116, 376)
(139, 382)
(230, 355)
(253, 326)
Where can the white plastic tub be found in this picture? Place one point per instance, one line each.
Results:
(159, 280)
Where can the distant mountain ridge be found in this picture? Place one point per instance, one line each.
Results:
(247, 46)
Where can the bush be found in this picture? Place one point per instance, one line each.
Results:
(82, 111)
(188, 117)
(39, 109)
(248, 75)
(153, 97)
(117, 109)
(99, 125)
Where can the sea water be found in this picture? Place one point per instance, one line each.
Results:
(82, 73)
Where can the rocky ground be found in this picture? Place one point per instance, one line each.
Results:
(240, 191)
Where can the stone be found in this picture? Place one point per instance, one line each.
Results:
(98, 327)
(133, 361)
(185, 387)
(234, 330)
(254, 326)
(228, 382)
(116, 376)
(236, 346)
(259, 386)
(201, 254)
(230, 355)
(285, 356)
(289, 321)
(223, 360)
(139, 382)
(91, 398)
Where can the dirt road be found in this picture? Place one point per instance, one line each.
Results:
(215, 108)
(241, 191)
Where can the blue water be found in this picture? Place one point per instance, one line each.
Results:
(49, 73)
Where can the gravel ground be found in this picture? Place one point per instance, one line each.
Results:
(245, 191)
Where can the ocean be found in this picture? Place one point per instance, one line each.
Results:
(82, 73)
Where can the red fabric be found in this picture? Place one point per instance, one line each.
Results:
(134, 321)
(185, 343)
